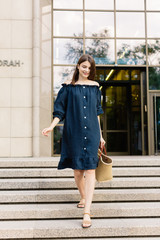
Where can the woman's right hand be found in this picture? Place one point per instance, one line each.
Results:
(45, 131)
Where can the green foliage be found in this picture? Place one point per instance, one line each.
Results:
(154, 78)
(98, 48)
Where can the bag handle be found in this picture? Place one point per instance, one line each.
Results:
(103, 149)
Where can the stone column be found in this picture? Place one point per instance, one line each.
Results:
(16, 78)
(41, 76)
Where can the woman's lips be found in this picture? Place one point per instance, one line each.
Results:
(85, 73)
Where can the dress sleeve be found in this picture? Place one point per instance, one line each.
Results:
(60, 104)
(99, 107)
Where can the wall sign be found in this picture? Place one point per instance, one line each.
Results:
(10, 63)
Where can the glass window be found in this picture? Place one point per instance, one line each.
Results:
(116, 108)
(154, 78)
(153, 4)
(99, 75)
(67, 23)
(58, 139)
(122, 75)
(67, 51)
(153, 20)
(135, 133)
(69, 4)
(135, 94)
(130, 24)
(99, 24)
(135, 75)
(60, 75)
(154, 52)
(102, 50)
(130, 4)
(131, 52)
(109, 73)
(100, 4)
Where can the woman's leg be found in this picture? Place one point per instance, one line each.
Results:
(89, 189)
(80, 182)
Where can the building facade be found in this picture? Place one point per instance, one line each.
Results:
(41, 43)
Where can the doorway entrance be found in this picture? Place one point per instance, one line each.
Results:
(123, 118)
(155, 123)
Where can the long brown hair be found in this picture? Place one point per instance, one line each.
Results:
(83, 58)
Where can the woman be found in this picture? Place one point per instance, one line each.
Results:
(79, 103)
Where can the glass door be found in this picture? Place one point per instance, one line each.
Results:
(117, 119)
(155, 123)
(122, 119)
(124, 122)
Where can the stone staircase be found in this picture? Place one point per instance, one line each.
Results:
(39, 202)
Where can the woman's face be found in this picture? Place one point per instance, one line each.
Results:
(84, 69)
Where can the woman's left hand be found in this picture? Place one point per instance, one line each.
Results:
(102, 142)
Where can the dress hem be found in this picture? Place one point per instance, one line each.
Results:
(78, 163)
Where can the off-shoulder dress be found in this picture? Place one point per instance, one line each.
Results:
(79, 105)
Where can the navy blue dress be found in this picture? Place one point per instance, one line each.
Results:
(79, 105)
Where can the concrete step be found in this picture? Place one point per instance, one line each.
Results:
(70, 211)
(43, 172)
(119, 161)
(122, 238)
(110, 238)
(69, 183)
(57, 229)
(64, 196)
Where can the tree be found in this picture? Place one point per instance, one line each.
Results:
(154, 78)
(98, 47)
(136, 55)
(153, 52)
(132, 55)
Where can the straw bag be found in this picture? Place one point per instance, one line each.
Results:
(104, 169)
